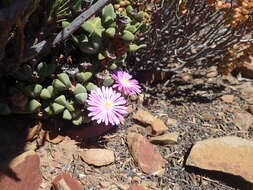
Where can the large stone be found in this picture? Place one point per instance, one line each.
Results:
(23, 173)
(229, 154)
(98, 157)
(65, 182)
(243, 120)
(144, 154)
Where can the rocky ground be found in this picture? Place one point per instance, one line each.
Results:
(175, 137)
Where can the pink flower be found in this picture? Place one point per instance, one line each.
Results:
(124, 83)
(106, 106)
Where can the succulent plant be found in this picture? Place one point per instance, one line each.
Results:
(49, 89)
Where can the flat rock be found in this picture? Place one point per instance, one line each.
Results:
(144, 154)
(23, 173)
(165, 139)
(144, 116)
(243, 120)
(158, 127)
(65, 182)
(98, 157)
(227, 98)
(229, 154)
(136, 187)
(208, 116)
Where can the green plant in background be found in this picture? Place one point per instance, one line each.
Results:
(110, 35)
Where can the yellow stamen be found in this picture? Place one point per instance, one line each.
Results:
(107, 105)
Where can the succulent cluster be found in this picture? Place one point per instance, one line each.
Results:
(48, 89)
(39, 89)
(110, 35)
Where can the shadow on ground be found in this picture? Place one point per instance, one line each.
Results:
(13, 132)
(236, 182)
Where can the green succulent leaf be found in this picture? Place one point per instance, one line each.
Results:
(113, 66)
(90, 86)
(33, 106)
(110, 32)
(101, 56)
(33, 90)
(108, 81)
(70, 107)
(58, 85)
(108, 13)
(131, 28)
(129, 8)
(65, 24)
(79, 89)
(64, 78)
(83, 76)
(93, 25)
(49, 110)
(45, 94)
(57, 108)
(61, 100)
(81, 97)
(128, 36)
(66, 115)
(78, 120)
(140, 15)
(133, 47)
(42, 69)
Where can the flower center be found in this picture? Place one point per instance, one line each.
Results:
(125, 82)
(107, 105)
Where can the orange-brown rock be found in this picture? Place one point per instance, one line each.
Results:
(136, 187)
(144, 116)
(98, 157)
(227, 98)
(22, 173)
(144, 154)
(158, 127)
(229, 154)
(165, 139)
(65, 182)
